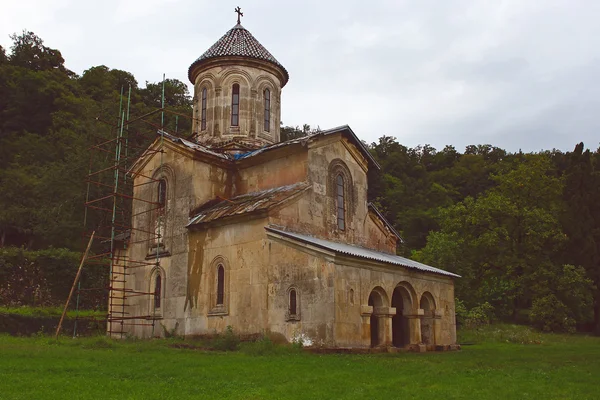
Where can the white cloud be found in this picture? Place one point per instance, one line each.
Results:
(514, 73)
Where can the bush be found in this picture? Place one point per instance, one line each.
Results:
(228, 341)
(478, 316)
(44, 278)
(549, 314)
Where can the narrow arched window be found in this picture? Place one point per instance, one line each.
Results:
(293, 301)
(203, 114)
(220, 284)
(267, 110)
(157, 291)
(341, 209)
(235, 105)
(162, 193)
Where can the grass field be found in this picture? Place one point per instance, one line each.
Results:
(496, 366)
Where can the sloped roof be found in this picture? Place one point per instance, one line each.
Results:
(344, 129)
(246, 203)
(360, 252)
(238, 41)
(385, 221)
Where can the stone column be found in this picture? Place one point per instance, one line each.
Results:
(414, 323)
(218, 115)
(437, 327)
(365, 314)
(384, 317)
(253, 129)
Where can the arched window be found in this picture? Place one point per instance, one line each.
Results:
(157, 291)
(293, 309)
(203, 115)
(220, 284)
(341, 209)
(162, 193)
(267, 110)
(235, 105)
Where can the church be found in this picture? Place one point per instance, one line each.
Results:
(267, 236)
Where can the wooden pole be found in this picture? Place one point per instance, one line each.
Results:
(74, 284)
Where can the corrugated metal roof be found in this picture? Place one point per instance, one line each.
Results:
(360, 252)
(245, 203)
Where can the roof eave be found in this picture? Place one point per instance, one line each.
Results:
(276, 69)
(282, 233)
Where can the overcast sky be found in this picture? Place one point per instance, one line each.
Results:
(518, 74)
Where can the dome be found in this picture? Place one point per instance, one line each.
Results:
(238, 42)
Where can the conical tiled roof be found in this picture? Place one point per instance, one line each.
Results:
(238, 41)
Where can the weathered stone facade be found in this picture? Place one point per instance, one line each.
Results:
(277, 239)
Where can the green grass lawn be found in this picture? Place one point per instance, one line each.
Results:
(496, 366)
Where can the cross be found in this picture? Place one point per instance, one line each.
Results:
(239, 12)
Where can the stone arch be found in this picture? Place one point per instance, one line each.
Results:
(219, 302)
(207, 81)
(404, 300)
(378, 300)
(339, 167)
(230, 76)
(265, 81)
(206, 76)
(427, 304)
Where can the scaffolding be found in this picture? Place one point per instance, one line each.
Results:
(109, 204)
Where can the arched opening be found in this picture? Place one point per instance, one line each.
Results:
(157, 291)
(267, 95)
(203, 112)
(402, 301)
(220, 285)
(340, 203)
(376, 301)
(162, 193)
(293, 308)
(427, 304)
(235, 105)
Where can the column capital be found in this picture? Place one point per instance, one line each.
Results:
(366, 310)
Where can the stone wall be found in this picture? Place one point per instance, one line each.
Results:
(315, 214)
(253, 81)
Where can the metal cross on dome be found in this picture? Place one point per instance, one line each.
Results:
(239, 12)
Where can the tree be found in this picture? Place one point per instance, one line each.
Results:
(28, 51)
(581, 218)
(505, 243)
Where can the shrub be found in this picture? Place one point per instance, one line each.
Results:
(228, 341)
(550, 314)
(478, 316)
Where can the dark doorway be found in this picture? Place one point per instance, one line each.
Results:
(400, 326)
(374, 301)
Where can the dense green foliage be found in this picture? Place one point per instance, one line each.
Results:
(505, 362)
(44, 278)
(523, 230)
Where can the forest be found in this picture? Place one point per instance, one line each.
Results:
(522, 229)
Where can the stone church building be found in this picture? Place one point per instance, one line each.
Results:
(270, 236)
